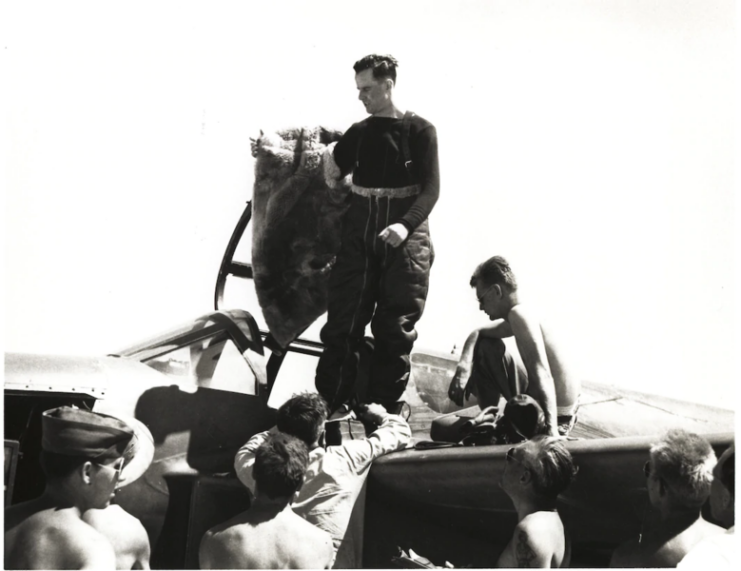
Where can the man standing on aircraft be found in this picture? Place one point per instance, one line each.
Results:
(381, 274)
(82, 457)
(679, 475)
(336, 474)
(270, 535)
(489, 371)
(535, 473)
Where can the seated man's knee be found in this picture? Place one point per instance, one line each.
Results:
(491, 347)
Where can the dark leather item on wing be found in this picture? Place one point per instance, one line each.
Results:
(522, 419)
(486, 416)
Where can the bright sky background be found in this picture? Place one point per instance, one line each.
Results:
(591, 143)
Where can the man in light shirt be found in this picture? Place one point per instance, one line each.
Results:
(335, 478)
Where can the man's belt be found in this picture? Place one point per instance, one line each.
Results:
(401, 192)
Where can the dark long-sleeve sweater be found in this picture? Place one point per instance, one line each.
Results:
(372, 150)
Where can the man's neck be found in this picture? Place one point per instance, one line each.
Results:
(678, 519)
(510, 302)
(263, 503)
(390, 111)
(62, 497)
(528, 506)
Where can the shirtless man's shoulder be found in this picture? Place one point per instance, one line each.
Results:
(125, 532)
(538, 541)
(57, 539)
(662, 553)
(626, 554)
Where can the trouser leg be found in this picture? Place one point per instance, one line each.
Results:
(495, 372)
(353, 287)
(404, 282)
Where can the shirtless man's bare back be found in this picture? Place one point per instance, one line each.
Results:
(265, 538)
(53, 538)
(269, 535)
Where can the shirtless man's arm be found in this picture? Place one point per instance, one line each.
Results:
(524, 550)
(459, 390)
(529, 337)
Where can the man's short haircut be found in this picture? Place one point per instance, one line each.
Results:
(303, 416)
(58, 466)
(684, 461)
(552, 465)
(383, 66)
(728, 472)
(280, 465)
(495, 270)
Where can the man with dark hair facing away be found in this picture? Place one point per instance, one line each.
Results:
(679, 474)
(270, 535)
(82, 457)
(535, 473)
(488, 370)
(381, 274)
(332, 494)
(718, 551)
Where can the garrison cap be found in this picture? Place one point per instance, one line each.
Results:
(76, 432)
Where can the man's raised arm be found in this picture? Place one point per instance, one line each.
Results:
(245, 459)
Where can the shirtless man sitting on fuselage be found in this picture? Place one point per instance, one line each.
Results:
(269, 535)
(489, 371)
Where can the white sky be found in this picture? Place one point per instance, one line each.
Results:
(591, 143)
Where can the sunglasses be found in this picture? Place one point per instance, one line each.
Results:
(510, 457)
(117, 467)
(481, 297)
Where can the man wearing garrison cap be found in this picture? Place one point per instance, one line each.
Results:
(82, 457)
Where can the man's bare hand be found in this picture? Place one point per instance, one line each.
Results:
(394, 235)
(373, 412)
(459, 390)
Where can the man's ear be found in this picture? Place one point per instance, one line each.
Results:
(86, 472)
(663, 489)
(527, 476)
(726, 500)
(301, 484)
